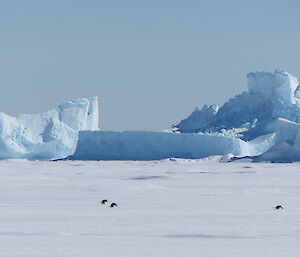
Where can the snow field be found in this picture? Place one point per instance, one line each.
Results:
(166, 208)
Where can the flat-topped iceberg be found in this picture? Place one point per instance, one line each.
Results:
(49, 135)
(153, 145)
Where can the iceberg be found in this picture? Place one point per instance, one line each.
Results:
(270, 96)
(150, 145)
(49, 135)
(261, 124)
(286, 144)
(155, 145)
(266, 117)
(198, 120)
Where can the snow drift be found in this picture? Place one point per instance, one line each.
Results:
(49, 135)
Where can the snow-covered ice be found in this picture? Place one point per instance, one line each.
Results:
(169, 208)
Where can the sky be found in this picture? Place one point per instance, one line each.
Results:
(150, 62)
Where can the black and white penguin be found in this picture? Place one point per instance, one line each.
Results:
(104, 201)
(278, 207)
(113, 205)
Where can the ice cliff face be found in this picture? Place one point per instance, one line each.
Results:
(270, 96)
(279, 85)
(153, 145)
(92, 119)
(49, 135)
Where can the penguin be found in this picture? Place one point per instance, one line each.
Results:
(113, 205)
(278, 207)
(104, 201)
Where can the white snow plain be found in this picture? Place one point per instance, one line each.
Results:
(166, 208)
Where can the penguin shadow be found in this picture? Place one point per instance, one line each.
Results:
(147, 177)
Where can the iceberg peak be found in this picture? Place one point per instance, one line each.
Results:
(280, 85)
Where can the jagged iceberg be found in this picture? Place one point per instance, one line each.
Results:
(269, 111)
(269, 96)
(261, 123)
(49, 135)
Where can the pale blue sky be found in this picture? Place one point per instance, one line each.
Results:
(150, 62)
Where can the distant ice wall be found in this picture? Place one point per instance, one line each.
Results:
(281, 143)
(147, 145)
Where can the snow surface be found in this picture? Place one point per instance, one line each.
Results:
(169, 208)
(49, 135)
